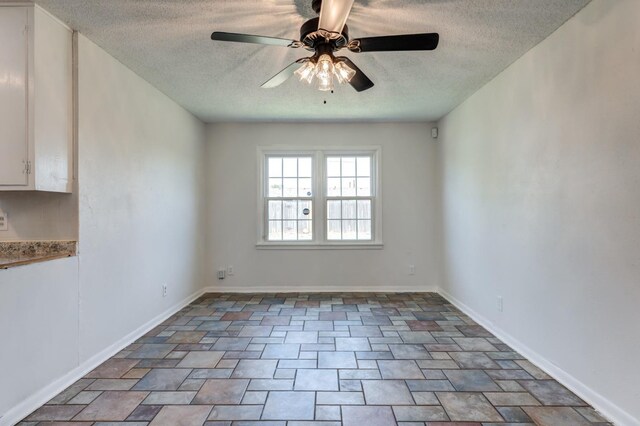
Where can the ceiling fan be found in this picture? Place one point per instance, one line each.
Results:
(326, 35)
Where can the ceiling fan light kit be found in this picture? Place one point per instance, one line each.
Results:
(326, 35)
(324, 67)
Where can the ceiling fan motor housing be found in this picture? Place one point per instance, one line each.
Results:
(312, 36)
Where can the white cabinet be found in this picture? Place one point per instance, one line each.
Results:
(36, 101)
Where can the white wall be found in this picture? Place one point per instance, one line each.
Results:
(140, 185)
(541, 178)
(410, 205)
(140, 190)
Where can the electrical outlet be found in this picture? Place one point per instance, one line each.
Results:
(412, 269)
(4, 222)
(499, 304)
(221, 274)
(230, 270)
(164, 290)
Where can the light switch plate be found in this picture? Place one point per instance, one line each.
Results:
(4, 222)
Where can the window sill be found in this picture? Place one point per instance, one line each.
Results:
(320, 246)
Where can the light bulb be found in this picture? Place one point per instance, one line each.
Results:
(324, 67)
(306, 71)
(343, 72)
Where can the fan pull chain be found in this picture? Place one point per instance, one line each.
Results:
(325, 101)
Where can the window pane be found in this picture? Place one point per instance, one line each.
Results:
(290, 167)
(349, 209)
(334, 209)
(289, 230)
(275, 167)
(364, 209)
(290, 210)
(348, 166)
(275, 209)
(304, 230)
(290, 187)
(302, 205)
(348, 187)
(333, 166)
(333, 187)
(304, 167)
(349, 230)
(275, 187)
(364, 187)
(304, 187)
(275, 230)
(333, 230)
(364, 229)
(364, 166)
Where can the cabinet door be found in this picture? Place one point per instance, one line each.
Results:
(13, 95)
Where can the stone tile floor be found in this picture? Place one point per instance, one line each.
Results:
(317, 359)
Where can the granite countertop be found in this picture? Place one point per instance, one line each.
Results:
(16, 253)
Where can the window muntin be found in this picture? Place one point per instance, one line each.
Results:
(289, 198)
(349, 197)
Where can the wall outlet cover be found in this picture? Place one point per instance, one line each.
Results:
(4, 222)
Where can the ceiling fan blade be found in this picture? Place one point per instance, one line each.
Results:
(283, 75)
(405, 42)
(256, 39)
(359, 81)
(334, 14)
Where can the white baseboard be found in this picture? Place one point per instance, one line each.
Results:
(319, 289)
(610, 410)
(26, 407)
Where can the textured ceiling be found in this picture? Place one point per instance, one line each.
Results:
(167, 43)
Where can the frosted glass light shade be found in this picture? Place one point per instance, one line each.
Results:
(306, 72)
(343, 72)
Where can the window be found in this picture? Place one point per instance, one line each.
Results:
(322, 197)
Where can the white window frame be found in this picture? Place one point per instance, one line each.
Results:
(319, 197)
